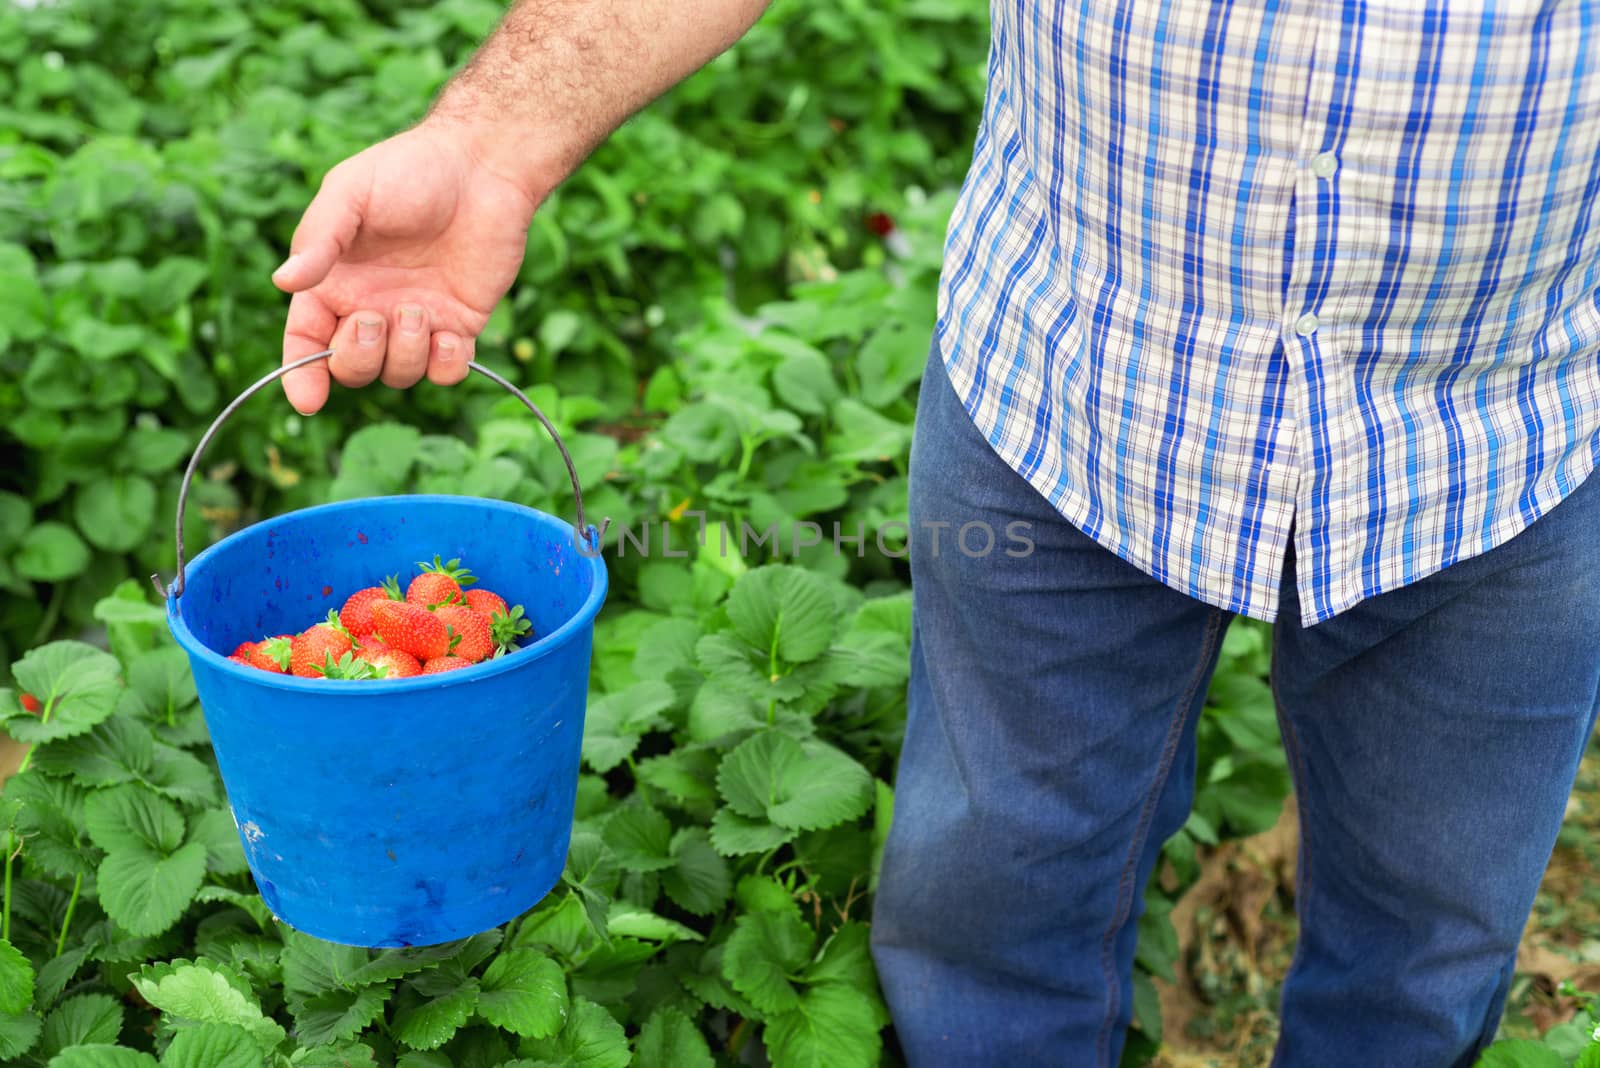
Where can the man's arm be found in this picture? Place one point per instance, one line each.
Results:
(408, 246)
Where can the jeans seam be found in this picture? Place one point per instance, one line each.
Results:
(1125, 887)
(1302, 875)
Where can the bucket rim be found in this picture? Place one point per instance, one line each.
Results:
(562, 636)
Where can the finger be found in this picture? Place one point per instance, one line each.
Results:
(447, 364)
(326, 231)
(407, 360)
(309, 329)
(358, 349)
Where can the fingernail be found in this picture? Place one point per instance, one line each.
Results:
(367, 330)
(447, 349)
(410, 318)
(286, 264)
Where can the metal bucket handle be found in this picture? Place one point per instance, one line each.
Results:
(588, 533)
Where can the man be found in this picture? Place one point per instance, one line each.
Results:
(1283, 308)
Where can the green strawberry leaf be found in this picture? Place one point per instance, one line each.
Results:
(16, 980)
(846, 958)
(18, 1033)
(161, 681)
(126, 817)
(800, 786)
(614, 724)
(832, 1025)
(628, 920)
(1520, 1053)
(214, 828)
(804, 380)
(706, 982)
(430, 1023)
(699, 881)
(397, 963)
(763, 951)
(375, 461)
(51, 821)
(213, 1045)
(81, 1020)
(667, 646)
(591, 1038)
(559, 923)
(206, 992)
(146, 890)
(116, 512)
(312, 967)
(423, 1060)
(50, 552)
(732, 663)
(733, 835)
(687, 774)
(55, 973)
(251, 904)
(128, 604)
(118, 750)
(874, 659)
(592, 874)
(98, 1055)
(786, 610)
(340, 1015)
(720, 711)
(341, 1055)
(640, 838)
(669, 1039)
(524, 992)
(763, 893)
(76, 683)
(182, 776)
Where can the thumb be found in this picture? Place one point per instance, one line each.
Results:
(326, 231)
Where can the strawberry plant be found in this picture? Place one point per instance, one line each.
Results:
(715, 893)
(1574, 1043)
(153, 163)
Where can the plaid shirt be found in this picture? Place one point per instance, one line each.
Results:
(1219, 266)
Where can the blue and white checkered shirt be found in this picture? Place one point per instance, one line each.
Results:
(1220, 266)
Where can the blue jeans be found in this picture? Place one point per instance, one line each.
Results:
(1433, 733)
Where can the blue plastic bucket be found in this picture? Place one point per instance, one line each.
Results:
(406, 811)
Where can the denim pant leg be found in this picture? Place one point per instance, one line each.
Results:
(1049, 752)
(1434, 733)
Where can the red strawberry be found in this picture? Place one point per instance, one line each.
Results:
(314, 648)
(411, 629)
(444, 663)
(439, 583)
(30, 704)
(278, 649)
(356, 615)
(470, 636)
(256, 655)
(507, 628)
(369, 641)
(485, 602)
(391, 663)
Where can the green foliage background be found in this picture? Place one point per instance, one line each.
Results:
(715, 327)
(154, 158)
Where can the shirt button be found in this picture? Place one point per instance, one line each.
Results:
(1306, 325)
(1324, 164)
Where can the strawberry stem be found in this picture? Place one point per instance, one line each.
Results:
(66, 922)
